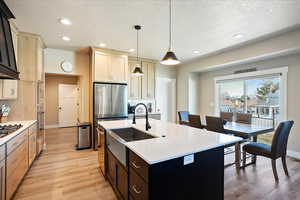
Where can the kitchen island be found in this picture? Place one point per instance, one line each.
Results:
(169, 161)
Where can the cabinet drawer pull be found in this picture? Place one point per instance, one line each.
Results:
(136, 190)
(135, 165)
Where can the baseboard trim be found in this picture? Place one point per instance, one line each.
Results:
(294, 154)
(51, 126)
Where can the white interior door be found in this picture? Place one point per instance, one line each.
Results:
(166, 98)
(68, 105)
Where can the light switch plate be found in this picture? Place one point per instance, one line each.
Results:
(188, 159)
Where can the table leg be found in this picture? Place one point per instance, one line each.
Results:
(254, 157)
(238, 156)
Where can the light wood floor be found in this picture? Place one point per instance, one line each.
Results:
(63, 173)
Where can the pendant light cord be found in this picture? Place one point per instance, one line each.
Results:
(170, 25)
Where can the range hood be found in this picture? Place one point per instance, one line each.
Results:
(8, 66)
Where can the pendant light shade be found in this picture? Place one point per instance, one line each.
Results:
(138, 69)
(170, 57)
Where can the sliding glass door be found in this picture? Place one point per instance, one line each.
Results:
(259, 96)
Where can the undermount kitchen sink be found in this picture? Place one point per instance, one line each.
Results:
(131, 134)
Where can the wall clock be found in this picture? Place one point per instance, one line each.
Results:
(66, 66)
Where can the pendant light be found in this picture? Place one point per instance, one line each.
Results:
(138, 69)
(170, 57)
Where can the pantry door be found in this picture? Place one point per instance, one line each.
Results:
(68, 105)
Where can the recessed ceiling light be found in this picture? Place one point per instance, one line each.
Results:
(65, 38)
(237, 36)
(196, 51)
(102, 45)
(65, 21)
(131, 50)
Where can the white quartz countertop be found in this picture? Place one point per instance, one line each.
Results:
(179, 140)
(25, 125)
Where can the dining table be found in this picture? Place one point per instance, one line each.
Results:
(249, 132)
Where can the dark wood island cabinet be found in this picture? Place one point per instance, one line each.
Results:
(202, 179)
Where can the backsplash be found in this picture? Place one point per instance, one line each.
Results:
(141, 109)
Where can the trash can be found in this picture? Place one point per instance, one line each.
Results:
(83, 136)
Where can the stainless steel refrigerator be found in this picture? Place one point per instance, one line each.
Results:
(110, 103)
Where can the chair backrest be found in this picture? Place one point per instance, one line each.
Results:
(280, 139)
(183, 115)
(244, 118)
(227, 116)
(215, 124)
(195, 121)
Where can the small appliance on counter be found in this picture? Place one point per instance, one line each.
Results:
(83, 136)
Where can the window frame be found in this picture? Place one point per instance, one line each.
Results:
(250, 75)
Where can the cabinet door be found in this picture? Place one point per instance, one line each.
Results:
(151, 81)
(17, 166)
(148, 80)
(122, 181)
(101, 151)
(145, 80)
(10, 89)
(102, 67)
(111, 172)
(134, 89)
(32, 147)
(2, 180)
(118, 68)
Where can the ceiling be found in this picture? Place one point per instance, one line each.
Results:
(203, 25)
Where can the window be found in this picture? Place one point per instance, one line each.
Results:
(262, 93)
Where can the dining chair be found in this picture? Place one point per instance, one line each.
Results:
(215, 124)
(183, 117)
(195, 121)
(227, 116)
(243, 118)
(275, 151)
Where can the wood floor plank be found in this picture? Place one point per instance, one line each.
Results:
(62, 173)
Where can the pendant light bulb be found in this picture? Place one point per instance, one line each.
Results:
(170, 57)
(138, 69)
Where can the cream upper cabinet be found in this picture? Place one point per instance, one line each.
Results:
(134, 83)
(101, 67)
(8, 89)
(109, 67)
(148, 80)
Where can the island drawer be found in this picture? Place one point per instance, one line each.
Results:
(138, 188)
(17, 141)
(139, 165)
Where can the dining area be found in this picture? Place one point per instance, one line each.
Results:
(242, 125)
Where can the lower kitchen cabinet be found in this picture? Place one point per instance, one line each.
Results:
(111, 171)
(17, 166)
(118, 176)
(2, 179)
(171, 179)
(32, 147)
(122, 181)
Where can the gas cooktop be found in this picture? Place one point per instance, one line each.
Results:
(7, 129)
